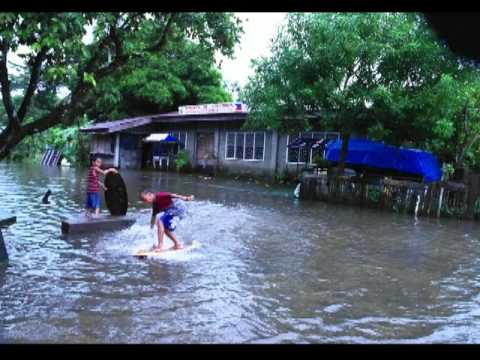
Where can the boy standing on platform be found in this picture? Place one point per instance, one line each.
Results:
(93, 186)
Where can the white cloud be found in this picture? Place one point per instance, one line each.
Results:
(259, 29)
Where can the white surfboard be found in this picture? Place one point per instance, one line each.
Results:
(170, 251)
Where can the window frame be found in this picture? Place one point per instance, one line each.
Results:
(234, 144)
(286, 153)
(310, 155)
(244, 133)
(264, 144)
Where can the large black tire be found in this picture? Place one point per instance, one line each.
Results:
(116, 196)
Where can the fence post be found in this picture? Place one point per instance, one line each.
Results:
(473, 189)
(440, 202)
(431, 198)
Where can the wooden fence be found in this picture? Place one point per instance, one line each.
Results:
(452, 199)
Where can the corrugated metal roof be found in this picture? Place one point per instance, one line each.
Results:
(109, 127)
(117, 125)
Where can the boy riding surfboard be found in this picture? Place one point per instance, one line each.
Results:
(167, 210)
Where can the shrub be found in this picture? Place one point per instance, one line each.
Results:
(182, 161)
(320, 162)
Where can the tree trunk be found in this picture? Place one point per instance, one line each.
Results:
(473, 191)
(343, 154)
(8, 140)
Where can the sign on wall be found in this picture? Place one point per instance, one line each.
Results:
(212, 108)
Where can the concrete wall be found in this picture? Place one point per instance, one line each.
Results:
(130, 158)
(101, 147)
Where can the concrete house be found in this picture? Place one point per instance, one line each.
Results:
(210, 133)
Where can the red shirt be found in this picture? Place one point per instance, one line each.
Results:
(92, 181)
(163, 200)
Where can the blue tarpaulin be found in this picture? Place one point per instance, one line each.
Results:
(169, 139)
(163, 147)
(375, 154)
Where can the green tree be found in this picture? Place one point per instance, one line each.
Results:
(455, 104)
(157, 83)
(58, 55)
(365, 74)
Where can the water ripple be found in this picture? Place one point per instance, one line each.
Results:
(270, 269)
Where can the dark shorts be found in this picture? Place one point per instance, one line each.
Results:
(93, 200)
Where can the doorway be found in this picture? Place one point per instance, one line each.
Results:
(205, 145)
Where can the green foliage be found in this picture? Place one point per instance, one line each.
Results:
(90, 79)
(321, 162)
(122, 49)
(383, 75)
(74, 145)
(374, 194)
(447, 170)
(157, 83)
(182, 161)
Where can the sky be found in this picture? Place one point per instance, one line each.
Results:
(259, 29)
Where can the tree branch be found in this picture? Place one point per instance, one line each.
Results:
(5, 84)
(53, 118)
(469, 144)
(32, 85)
(161, 43)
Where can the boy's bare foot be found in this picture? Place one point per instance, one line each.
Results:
(178, 246)
(157, 248)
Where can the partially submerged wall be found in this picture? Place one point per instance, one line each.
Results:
(437, 199)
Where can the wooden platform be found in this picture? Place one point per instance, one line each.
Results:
(6, 219)
(81, 224)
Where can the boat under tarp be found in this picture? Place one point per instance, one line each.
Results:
(377, 155)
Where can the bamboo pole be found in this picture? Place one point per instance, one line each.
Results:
(440, 203)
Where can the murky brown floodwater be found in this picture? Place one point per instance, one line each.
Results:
(272, 269)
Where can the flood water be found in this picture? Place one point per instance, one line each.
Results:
(271, 269)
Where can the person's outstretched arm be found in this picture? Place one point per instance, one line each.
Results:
(183, 197)
(105, 172)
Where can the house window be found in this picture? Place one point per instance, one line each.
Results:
(301, 155)
(259, 146)
(249, 143)
(230, 146)
(298, 155)
(239, 145)
(245, 146)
